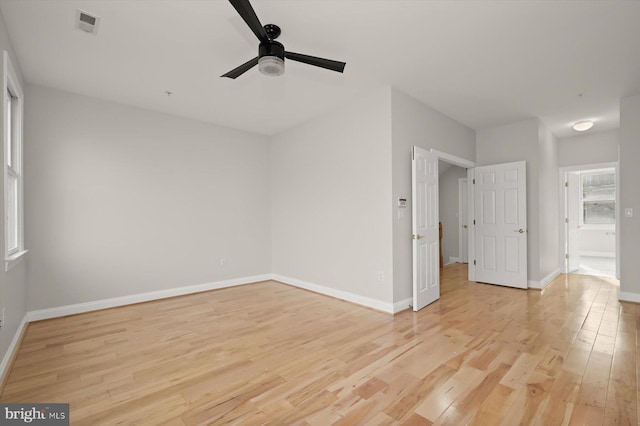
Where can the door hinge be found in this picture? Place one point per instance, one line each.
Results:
(474, 181)
(566, 184)
(474, 221)
(566, 220)
(566, 256)
(474, 261)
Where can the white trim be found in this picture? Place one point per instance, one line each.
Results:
(611, 227)
(96, 305)
(618, 216)
(545, 281)
(13, 346)
(471, 256)
(625, 296)
(402, 305)
(589, 167)
(562, 212)
(453, 260)
(462, 183)
(469, 165)
(12, 260)
(456, 161)
(10, 82)
(598, 254)
(376, 304)
(60, 311)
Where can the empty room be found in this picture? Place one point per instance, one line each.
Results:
(320, 212)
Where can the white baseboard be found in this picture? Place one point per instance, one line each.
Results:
(453, 260)
(597, 253)
(338, 294)
(629, 297)
(61, 311)
(79, 308)
(4, 365)
(545, 281)
(402, 305)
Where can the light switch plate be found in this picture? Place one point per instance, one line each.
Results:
(628, 212)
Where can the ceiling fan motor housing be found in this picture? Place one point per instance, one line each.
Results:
(271, 48)
(271, 54)
(271, 58)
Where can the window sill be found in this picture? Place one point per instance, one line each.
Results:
(11, 261)
(610, 228)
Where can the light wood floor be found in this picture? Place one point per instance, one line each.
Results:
(270, 353)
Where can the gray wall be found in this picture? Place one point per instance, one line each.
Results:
(122, 201)
(13, 284)
(414, 123)
(597, 241)
(331, 196)
(449, 216)
(590, 148)
(549, 240)
(630, 197)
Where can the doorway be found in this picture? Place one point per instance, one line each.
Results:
(589, 239)
(451, 204)
(425, 218)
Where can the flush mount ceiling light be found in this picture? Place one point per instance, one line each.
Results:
(582, 126)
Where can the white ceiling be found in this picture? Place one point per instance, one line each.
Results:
(482, 63)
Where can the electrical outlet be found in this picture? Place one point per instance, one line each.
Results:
(223, 262)
(380, 276)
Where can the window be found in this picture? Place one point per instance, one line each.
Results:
(13, 107)
(598, 197)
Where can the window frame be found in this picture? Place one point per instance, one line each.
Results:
(604, 226)
(13, 96)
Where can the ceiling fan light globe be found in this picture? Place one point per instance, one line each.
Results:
(272, 66)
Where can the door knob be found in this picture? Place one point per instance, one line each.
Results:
(417, 237)
(464, 226)
(521, 231)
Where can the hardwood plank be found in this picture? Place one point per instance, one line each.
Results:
(495, 407)
(269, 353)
(621, 405)
(459, 385)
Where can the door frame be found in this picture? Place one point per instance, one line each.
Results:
(562, 201)
(469, 165)
(463, 183)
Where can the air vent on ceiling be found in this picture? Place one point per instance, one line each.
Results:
(87, 22)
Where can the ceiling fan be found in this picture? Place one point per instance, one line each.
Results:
(271, 54)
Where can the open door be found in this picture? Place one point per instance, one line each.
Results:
(500, 214)
(426, 253)
(572, 187)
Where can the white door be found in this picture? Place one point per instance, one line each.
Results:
(500, 203)
(426, 264)
(573, 221)
(463, 215)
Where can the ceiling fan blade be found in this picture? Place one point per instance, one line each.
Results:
(247, 13)
(318, 62)
(237, 72)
